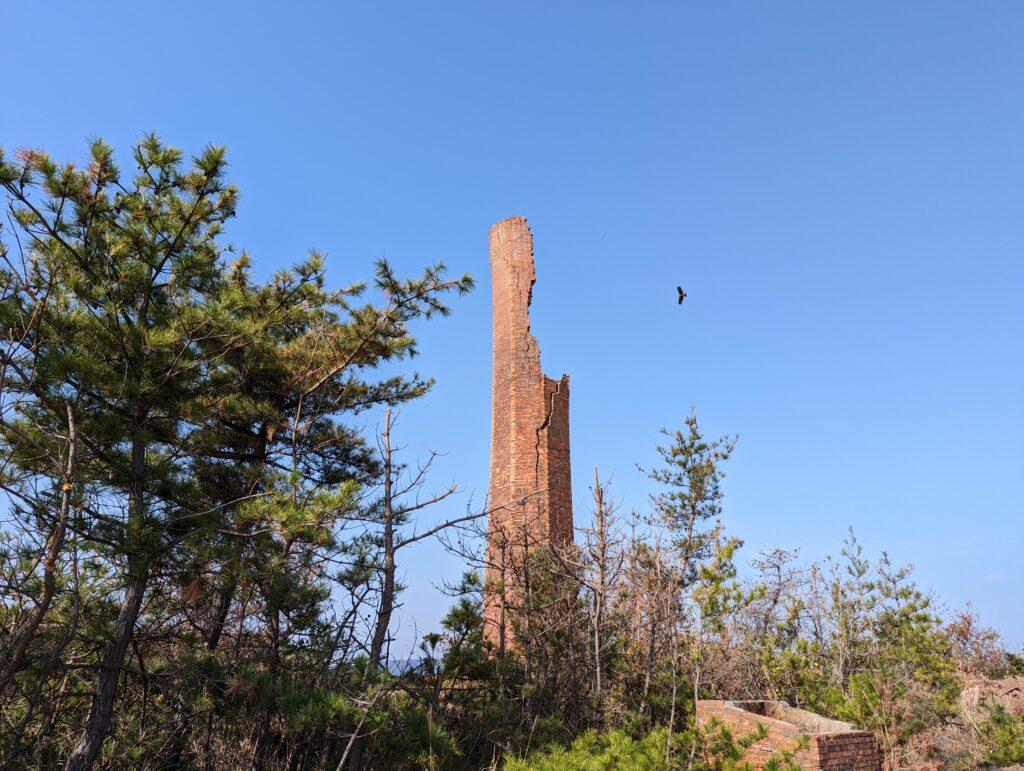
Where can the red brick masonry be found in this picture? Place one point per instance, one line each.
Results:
(833, 744)
(530, 489)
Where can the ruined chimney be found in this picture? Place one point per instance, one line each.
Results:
(530, 487)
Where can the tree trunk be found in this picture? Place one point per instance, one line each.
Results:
(102, 711)
(599, 589)
(387, 591)
(220, 615)
(52, 550)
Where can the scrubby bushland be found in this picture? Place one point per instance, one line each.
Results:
(201, 544)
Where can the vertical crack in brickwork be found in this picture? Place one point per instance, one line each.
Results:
(544, 425)
(530, 494)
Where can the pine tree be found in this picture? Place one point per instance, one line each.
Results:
(192, 425)
(132, 280)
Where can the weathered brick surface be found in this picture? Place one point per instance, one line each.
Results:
(839, 747)
(530, 487)
(1008, 692)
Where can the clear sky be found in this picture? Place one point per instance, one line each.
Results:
(838, 186)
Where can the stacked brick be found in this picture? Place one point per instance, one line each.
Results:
(530, 497)
(832, 745)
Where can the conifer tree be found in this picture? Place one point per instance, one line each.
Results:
(131, 311)
(190, 417)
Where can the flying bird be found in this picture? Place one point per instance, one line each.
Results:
(682, 295)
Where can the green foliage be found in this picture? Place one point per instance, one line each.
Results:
(691, 475)
(712, 748)
(902, 678)
(592, 752)
(195, 428)
(1003, 734)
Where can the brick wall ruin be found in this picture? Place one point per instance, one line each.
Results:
(1009, 692)
(833, 745)
(530, 498)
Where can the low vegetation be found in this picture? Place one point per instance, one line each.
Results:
(201, 543)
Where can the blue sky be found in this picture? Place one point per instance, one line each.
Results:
(839, 187)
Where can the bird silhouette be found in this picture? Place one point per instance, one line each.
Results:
(682, 295)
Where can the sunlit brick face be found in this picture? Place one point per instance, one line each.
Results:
(530, 494)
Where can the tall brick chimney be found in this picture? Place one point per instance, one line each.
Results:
(530, 488)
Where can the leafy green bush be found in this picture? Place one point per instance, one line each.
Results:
(592, 751)
(1004, 737)
(712, 748)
